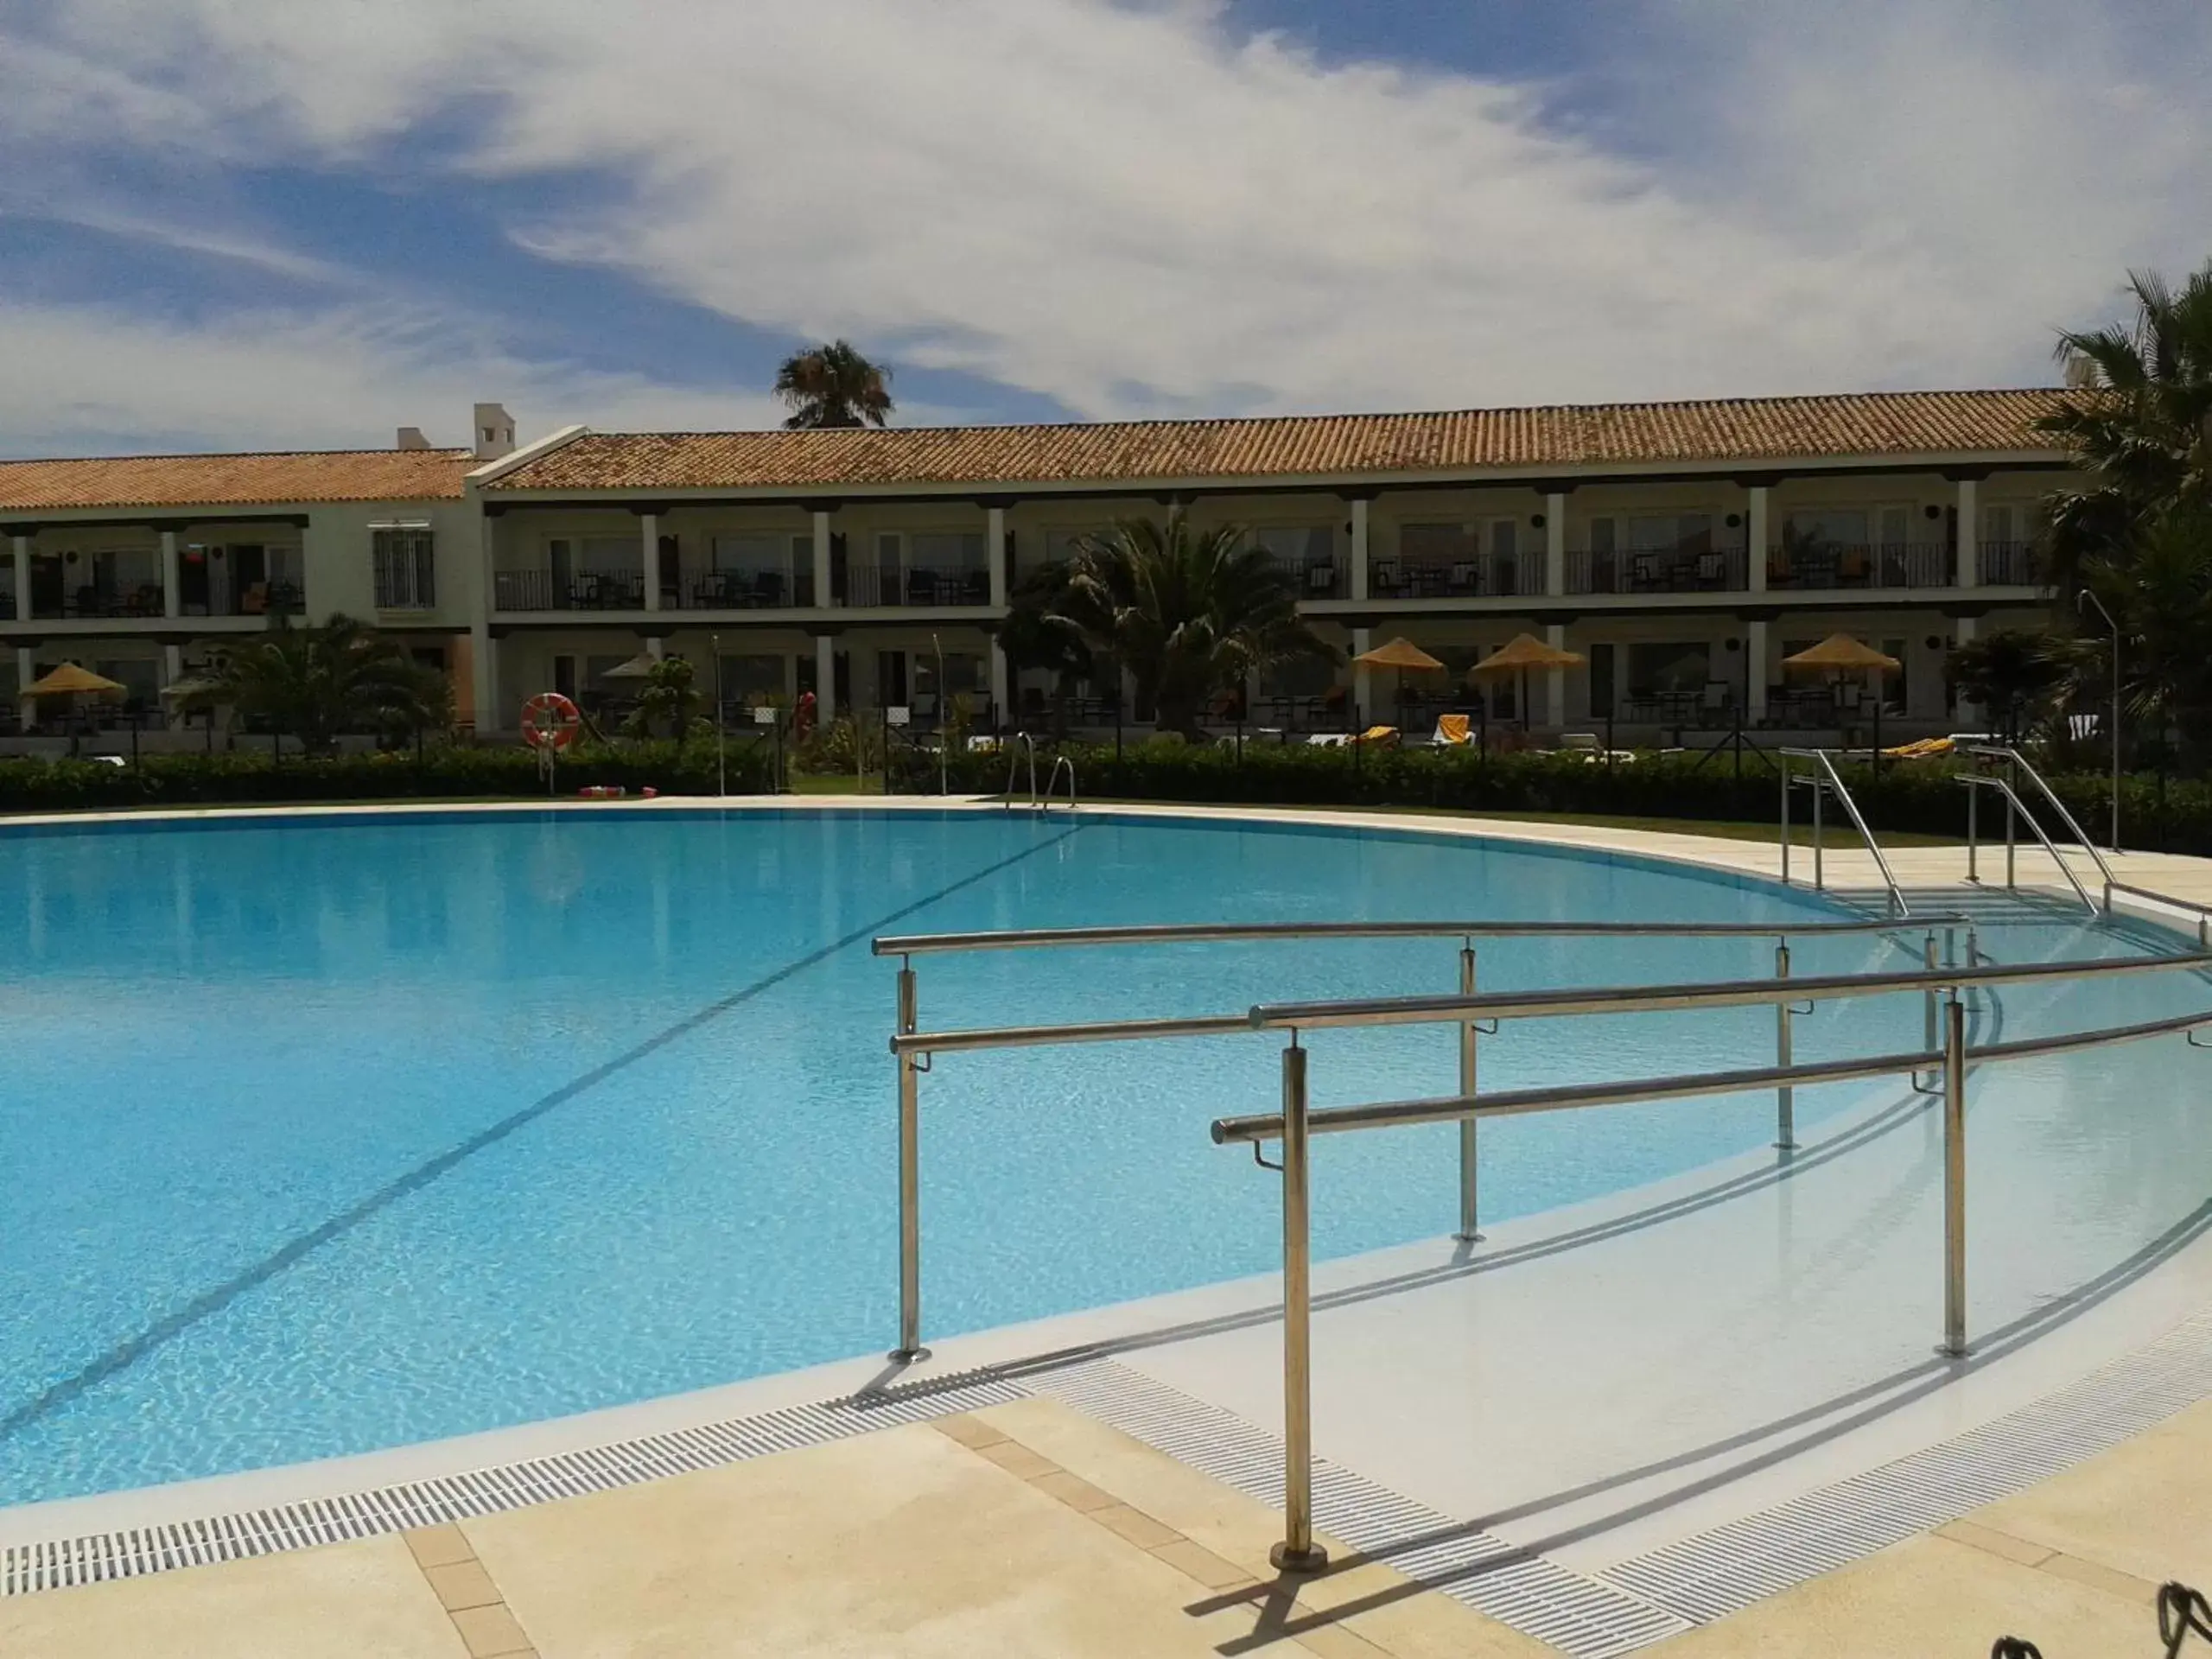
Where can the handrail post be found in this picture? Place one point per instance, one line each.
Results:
(1954, 1180)
(1785, 818)
(1973, 835)
(1818, 880)
(2012, 838)
(1785, 1097)
(1928, 955)
(910, 1183)
(1297, 1552)
(1469, 1167)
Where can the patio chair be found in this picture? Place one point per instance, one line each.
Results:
(1451, 732)
(1378, 737)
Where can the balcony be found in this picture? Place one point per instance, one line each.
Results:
(1657, 570)
(1830, 565)
(867, 585)
(1481, 576)
(2008, 564)
(758, 588)
(1313, 578)
(581, 590)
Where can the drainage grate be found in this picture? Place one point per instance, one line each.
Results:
(133, 1552)
(1536, 1597)
(1721, 1572)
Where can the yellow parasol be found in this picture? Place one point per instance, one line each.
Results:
(1839, 655)
(1519, 655)
(70, 680)
(1400, 654)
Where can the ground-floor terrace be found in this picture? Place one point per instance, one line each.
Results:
(150, 662)
(1704, 1418)
(1647, 671)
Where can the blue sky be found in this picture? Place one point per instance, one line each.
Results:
(254, 222)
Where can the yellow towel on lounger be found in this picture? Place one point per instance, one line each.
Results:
(1451, 730)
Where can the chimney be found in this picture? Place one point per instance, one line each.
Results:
(495, 432)
(2080, 372)
(410, 437)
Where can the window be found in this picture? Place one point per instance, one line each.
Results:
(406, 567)
(2000, 523)
(1663, 670)
(945, 550)
(1688, 533)
(1296, 544)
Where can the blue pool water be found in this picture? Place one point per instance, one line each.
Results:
(321, 1136)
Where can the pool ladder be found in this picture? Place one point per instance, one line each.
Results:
(1025, 745)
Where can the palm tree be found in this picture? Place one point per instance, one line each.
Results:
(2159, 592)
(314, 683)
(2142, 426)
(833, 386)
(1187, 612)
(2007, 673)
(1034, 637)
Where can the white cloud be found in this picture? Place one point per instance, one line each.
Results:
(88, 379)
(1138, 210)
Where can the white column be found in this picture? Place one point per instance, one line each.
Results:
(994, 556)
(26, 666)
(484, 665)
(656, 648)
(1755, 671)
(1363, 679)
(1969, 540)
(1755, 543)
(825, 656)
(1555, 545)
(172, 577)
(1003, 711)
(22, 578)
(648, 543)
(1359, 548)
(1555, 678)
(172, 664)
(821, 563)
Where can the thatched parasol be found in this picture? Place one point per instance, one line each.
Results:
(70, 680)
(1519, 655)
(639, 667)
(1400, 654)
(1840, 655)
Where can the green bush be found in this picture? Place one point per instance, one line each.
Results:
(441, 771)
(1917, 796)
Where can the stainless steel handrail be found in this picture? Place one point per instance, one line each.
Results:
(1834, 782)
(1060, 763)
(1521, 1102)
(1022, 743)
(2019, 762)
(917, 944)
(913, 1048)
(1628, 999)
(2018, 810)
(1296, 1125)
(2203, 912)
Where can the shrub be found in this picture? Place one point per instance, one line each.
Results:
(439, 771)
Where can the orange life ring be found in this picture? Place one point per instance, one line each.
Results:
(550, 721)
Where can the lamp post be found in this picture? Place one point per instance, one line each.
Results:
(722, 749)
(2086, 597)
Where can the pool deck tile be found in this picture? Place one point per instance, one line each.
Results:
(341, 1602)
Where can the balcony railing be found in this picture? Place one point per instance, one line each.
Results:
(897, 585)
(1314, 578)
(1833, 565)
(754, 589)
(1480, 576)
(1660, 570)
(584, 590)
(2008, 564)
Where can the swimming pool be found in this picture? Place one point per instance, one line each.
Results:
(331, 1133)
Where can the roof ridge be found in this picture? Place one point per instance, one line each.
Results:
(1489, 410)
(454, 453)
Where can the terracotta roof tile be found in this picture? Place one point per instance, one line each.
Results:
(235, 480)
(1900, 423)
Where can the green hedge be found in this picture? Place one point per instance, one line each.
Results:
(254, 775)
(1921, 797)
